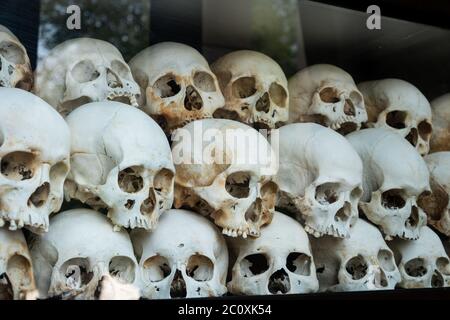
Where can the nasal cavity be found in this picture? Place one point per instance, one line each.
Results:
(178, 286)
(349, 108)
(380, 280)
(343, 213)
(347, 127)
(6, 290)
(413, 220)
(40, 196)
(412, 136)
(113, 80)
(263, 104)
(192, 100)
(148, 206)
(437, 281)
(279, 282)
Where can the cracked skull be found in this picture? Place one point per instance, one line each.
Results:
(177, 84)
(79, 254)
(399, 106)
(395, 177)
(320, 178)
(327, 95)
(423, 263)
(15, 68)
(278, 262)
(255, 89)
(185, 257)
(440, 139)
(16, 273)
(121, 161)
(360, 262)
(84, 70)
(34, 160)
(224, 169)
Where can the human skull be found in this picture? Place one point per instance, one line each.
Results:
(224, 169)
(399, 106)
(16, 272)
(278, 262)
(327, 95)
(423, 263)
(436, 205)
(121, 161)
(177, 84)
(79, 253)
(360, 262)
(320, 178)
(34, 160)
(440, 139)
(15, 68)
(84, 70)
(255, 89)
(185, 257)
(395, 177)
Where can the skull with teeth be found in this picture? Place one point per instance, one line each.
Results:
(395, 178)
(399, 106)
(440, 139)
(121, 161)
(327, 95)
(360, 262)
(255, 89)
(423, 263)
(177, 84)
(84, 70)
(278, 262)
(16, 273)
(80, 254)
(185, 257)
(224, 169)
(34, 160)
(320, 178)
(15, 68)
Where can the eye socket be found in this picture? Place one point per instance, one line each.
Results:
(244, 87)
(58, 173)
(85, 71)
(416, 268)
(166, 86)
(120, 68)
(356, 267)
(19, 165)
(122, 268)
(253, 265)
(12, 52)
(356, 193)
(20, 267)
(200, 268)
(327, 193)
(238, 184)
(434, 202)
(356, 98)
(425, 130)
(396, 119)
(204, 81)
(278, 94)
(163, 181)
(130, 180)
(329, 95)
(386, 260)
(393, 199)
(77, 272)
(299, 263)
(156, 268)
(443, 265)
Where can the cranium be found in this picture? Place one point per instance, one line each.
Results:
(185, 257)
(395, 176)
(360, 262)
(320, 178)
(177, 84)
(399, 106)
(279, 261)
(84, 70)
(327, 95)
(34, 160)
(223, 169)
(440, 139)
(121, 161)
(255, 89)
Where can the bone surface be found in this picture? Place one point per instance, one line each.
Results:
(278, 262)
(176, 83)
(84, 70)
(440, 139)
(185, 257)
(395, 178)
(399, 106)
(79, 253)
(34, 153)
(225, 174)
(326, 94)
(255, 89)
(423, 263)
(121, 161)
(320, 178)
(360, 262)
